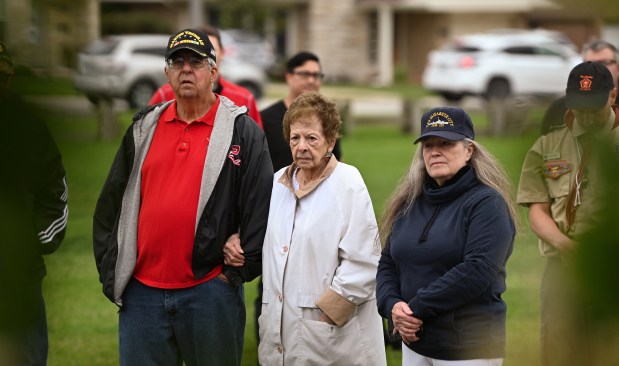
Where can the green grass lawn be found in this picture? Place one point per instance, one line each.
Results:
(83, 323)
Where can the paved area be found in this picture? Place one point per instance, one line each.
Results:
(364, 103)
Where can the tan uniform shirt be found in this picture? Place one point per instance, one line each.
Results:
(549, 174)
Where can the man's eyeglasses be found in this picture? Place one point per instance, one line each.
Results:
(179, 62)
(606, 62)
(307, 74)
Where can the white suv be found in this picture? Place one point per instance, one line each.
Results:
(131, 67)
(501, 63)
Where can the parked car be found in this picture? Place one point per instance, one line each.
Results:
(248, 46)
(131, 67)
(247, 75)
(501, 63)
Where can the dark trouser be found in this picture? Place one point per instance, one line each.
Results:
(24, 342)
(201, 325)
(565, 332)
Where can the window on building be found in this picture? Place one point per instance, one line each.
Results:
(373, 37)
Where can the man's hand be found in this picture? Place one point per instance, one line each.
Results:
(233, 253)
(544, 226)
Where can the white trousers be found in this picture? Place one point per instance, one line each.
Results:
(412, 358)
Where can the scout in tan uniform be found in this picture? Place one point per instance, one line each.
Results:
(599, 51)
(559, 184)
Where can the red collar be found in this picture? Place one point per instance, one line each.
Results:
(171, 115)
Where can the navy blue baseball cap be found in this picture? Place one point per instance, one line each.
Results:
(451, 123)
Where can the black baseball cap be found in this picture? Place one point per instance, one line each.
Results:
(191, 39)
(588, 86)
(451, 123)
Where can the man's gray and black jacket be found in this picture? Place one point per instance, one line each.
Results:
(234, 197)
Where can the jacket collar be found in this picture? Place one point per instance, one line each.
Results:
(576, 129)
(286, 178)
(464, 180)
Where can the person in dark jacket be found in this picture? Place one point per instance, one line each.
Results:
(189, 174)
(303, 74)
(449, 229)
(33, 221)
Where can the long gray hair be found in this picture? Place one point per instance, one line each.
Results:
(487, 169)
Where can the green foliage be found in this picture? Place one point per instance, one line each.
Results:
(400, 74)
(596, 259)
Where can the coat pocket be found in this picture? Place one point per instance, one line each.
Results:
(326, 344)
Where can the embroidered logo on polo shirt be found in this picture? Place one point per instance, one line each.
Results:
(234, 152)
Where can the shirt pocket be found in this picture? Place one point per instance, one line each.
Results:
(558, 175)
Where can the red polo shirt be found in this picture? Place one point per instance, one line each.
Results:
(170, 188)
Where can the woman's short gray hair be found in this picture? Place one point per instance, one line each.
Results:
(316, 104)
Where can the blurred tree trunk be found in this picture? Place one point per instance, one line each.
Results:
(109, 128)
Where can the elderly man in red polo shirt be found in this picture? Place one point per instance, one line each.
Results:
(189, 174)
(236, 93)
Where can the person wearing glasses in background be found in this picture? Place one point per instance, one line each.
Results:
(599, 51)
(561, 185)
(189, 174)
(33, 221)
(303, 74)
(236, 93)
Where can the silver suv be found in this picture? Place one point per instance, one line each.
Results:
(249, 46)
(500, 63)
(131, 67)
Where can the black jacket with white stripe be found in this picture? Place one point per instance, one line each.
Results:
(33, 191)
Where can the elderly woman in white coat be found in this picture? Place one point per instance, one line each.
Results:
(320, 253)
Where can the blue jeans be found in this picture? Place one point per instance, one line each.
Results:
(201, 325)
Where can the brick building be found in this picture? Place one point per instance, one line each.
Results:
(365, 41)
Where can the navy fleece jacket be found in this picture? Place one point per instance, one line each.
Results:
(446, 258)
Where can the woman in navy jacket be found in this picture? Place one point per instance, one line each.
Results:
(449, 230)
